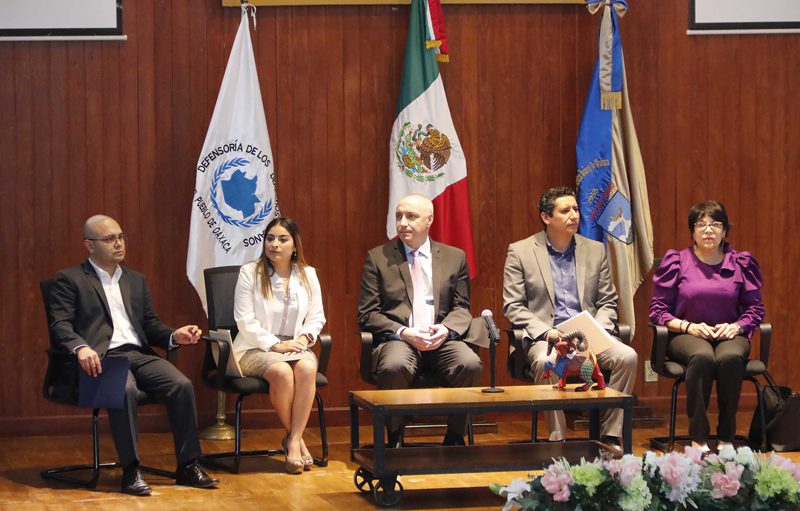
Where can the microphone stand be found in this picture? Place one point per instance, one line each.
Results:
(492, 354)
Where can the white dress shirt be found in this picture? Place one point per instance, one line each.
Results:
(424, 256)
(124, 333)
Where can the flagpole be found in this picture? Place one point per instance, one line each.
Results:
(220, 430)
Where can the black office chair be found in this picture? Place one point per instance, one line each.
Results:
(477, 336)
(61, 386)
(662, 366)
(520, 369)
(671, 369)
(220, 288)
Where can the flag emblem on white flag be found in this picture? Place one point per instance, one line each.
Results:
(234, 196)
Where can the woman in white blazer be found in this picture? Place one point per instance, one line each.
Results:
(278, 309)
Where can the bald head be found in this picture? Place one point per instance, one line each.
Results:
(413, 219)
(420, 202)
(95, 224)
(104, 241)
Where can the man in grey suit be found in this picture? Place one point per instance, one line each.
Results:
(99, 310)
(553, 276)
(415, 301)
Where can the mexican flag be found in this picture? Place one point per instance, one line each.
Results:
(425, 154)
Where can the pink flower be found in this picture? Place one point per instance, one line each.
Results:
(614, 466)
(551, 483)
(671, 470)
(557, 480)
(630, 467)
(563, 495)
(727, 484)
(695, 455)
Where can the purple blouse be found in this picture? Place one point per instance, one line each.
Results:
(687, 288)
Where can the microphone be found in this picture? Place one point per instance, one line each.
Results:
(494, 333)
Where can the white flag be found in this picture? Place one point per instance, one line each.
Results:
(234, 196)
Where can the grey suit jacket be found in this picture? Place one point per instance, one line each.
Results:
(385, 300)
(80, 313)
(528, 294)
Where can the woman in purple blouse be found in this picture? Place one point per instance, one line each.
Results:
(709, 296)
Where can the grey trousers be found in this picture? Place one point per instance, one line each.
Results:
(621, 360)
(705, 362)
(167, 384)
(396, 363)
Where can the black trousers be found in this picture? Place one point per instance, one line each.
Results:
(397, 363)
(162, 380)
(706, 361)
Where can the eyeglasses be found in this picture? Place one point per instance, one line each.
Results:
(111, 240)
(700, 226)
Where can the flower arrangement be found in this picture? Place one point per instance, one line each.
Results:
(732, 479)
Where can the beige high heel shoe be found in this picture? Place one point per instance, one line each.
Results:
(294, 466)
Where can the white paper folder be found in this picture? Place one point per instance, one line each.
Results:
(598, 338)
(233, 368)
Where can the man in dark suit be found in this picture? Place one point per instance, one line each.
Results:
(100, 309)
(415, 301)
(553, 276)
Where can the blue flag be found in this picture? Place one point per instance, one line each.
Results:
(612, 189)
(601, 210)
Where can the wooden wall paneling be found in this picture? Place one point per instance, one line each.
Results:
(661, 171)
(37, 221)
(9, 312)
(355, 198)
(127, 120)
(502, 148)
(23, 220)
(331, 241)
(109, 138)
(94, 128)
(685, 49)
(779, 178)
(142, 255)
(77, 163)
(60, 228)
(162, 181)
(282, 146)
(485, 140)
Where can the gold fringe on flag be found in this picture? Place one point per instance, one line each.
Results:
(432, 44)
(440, 57)
(610, 100)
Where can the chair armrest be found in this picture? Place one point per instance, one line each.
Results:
(212, 374)
(766, 340)
(366, 357)
(658, 354)
(325, 343)
(624, 331)
(516, 353)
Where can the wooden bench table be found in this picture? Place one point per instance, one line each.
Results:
(378, 462)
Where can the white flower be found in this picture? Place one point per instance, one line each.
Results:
(745, 456)
(513, 491)
(727, 453)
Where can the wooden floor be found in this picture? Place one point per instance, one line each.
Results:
(262, 483)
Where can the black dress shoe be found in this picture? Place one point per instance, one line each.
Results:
(194, 476)
(133, 483)
(394, 439)
(451, 438)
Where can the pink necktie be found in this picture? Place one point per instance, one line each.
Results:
(420, 309)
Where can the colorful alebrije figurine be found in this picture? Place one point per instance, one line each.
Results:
(569, 362)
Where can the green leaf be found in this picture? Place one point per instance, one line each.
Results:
(496, 489)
